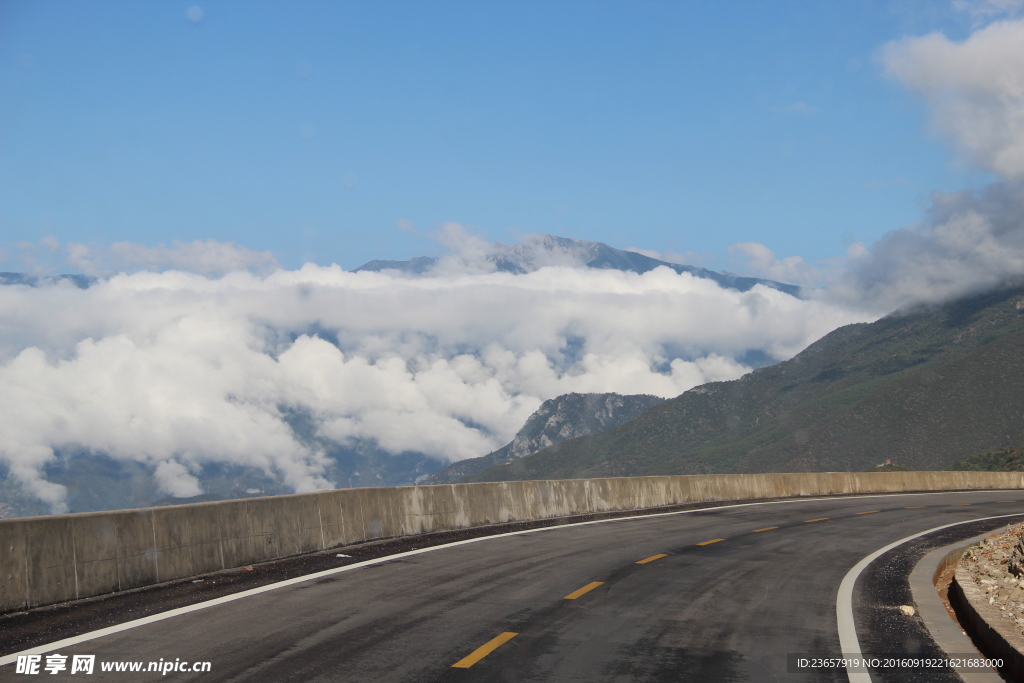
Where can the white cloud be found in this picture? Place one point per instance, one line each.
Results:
(974, 88)
(968, 242)
(175, 478)
(762, 261)
(467, 253)
(208, 257)
(50, 243)
(178, 370)
(985, 10)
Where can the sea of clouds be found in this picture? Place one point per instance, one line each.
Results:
(196, 353)
(178, 369)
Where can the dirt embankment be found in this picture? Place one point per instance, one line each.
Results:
(996, 566)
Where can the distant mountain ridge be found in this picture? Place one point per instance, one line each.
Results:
(564, 417)
(80, 281)
(549, 250)
(924, 387)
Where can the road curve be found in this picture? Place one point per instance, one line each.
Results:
(724, 594)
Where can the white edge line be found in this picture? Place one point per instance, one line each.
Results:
(153, 618)
(849, 645)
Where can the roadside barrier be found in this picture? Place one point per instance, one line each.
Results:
(51, 559)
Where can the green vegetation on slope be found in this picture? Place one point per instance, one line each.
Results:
(998, 460)
(560, 418)
(920, 387)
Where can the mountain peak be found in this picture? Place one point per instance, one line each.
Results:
(539, 251)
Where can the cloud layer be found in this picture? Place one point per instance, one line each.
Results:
(206, 257)
(975, 90)
(177, 370)
(968, 242)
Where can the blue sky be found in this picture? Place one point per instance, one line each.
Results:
(309, 129)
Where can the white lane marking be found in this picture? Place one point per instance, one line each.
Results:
(110, 630)
(849, 644)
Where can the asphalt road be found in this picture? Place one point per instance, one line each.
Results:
(734, 590)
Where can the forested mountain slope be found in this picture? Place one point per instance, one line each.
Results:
(560, 418)
(923, 387)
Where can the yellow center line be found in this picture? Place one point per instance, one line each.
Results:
(713, 540)
(868, 512)
(484, 650)
(652, 558)
(913, 507)
(767, 528)
(583, 591)
(959, 505)
(818, 519)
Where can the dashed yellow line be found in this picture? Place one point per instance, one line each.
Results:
(484, 650)
(583, 591)
(713, 540)
(493, 644)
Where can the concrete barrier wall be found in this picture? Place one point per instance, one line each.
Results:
(45, 560)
